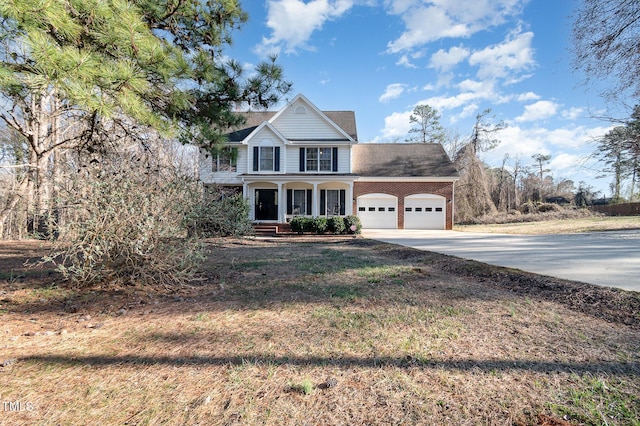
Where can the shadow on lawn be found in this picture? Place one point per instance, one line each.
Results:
(630, 370)
(253, 274)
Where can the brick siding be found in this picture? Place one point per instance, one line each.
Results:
(404, 189)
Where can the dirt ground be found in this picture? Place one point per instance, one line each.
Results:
(317, 331)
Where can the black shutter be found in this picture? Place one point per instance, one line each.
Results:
(335, 160)
(343, 196)
(289, 201)
(302, 159)
(309, 199)
(255, 158)
(323, 202)
(276, 160)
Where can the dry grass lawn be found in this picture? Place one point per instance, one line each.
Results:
(559, 226)
(318, 332)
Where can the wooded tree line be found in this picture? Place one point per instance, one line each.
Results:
(518, 184)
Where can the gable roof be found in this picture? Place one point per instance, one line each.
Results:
(345, 120)
(402, 160)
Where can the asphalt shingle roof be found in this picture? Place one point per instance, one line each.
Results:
(402, 160)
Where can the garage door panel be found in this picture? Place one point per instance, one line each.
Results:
(378, 212)
(424, 213)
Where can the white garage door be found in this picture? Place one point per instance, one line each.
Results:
(378, 211)
(424, 211)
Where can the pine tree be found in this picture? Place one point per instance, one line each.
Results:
(71, 68)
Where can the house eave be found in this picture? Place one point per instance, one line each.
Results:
(407, 179)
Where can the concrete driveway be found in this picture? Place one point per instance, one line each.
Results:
(602, 258)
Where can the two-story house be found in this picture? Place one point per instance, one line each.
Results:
(304, 161)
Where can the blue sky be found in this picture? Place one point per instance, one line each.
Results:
(381, 58)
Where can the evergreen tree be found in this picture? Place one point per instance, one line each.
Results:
(428, 121)
(71, 68)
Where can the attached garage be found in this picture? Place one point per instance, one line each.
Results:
(424, 211)
(378, 211)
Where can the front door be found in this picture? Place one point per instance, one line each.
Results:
(266, 207)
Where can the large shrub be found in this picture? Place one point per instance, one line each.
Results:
(220, 217)
(126, 223)
(320, 225)
(335, 224)
(352, 224)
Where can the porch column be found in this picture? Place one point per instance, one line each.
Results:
(349, 200)
(282, 208)
(245, 195)
(315, 205)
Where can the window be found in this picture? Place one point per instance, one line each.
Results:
(418, 209)
(324, 154)
(428, 209)
(323, 159)
(226, 160)
(266, 158)
(380, 209)
(312, 159)
(362, 209)
(408, 209)
(372, 209)
(391, 209)
(299, 202)
(438, 209)
(333, 201)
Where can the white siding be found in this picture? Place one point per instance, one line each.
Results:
(292, 160)
(265, 135)
(310, 125)
(344, 159)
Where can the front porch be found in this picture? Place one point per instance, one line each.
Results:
(277, 202)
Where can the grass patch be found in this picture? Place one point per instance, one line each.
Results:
(558, 226)
(599, 400)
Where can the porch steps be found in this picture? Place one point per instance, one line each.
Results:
(265, 230)
(271, 229)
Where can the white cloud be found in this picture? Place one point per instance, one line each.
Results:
(434, 20)
(471, 92)
(446, 60)
(538, 111)
(405, 62)
(573, 113)
(529, 96)
(393, 91)
(396, 127)
(525, 142)
(514, 55)
(293, 21)
(565, 162)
